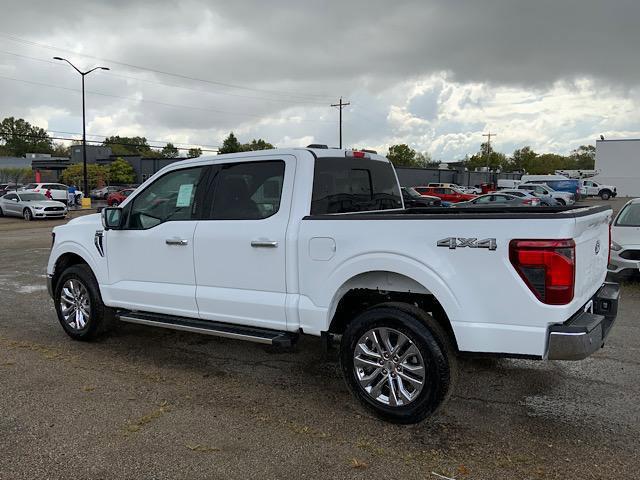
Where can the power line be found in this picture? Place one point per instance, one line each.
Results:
(128, 77)
(162, 72)
(154, 102)
(149, 140)
(26, 135)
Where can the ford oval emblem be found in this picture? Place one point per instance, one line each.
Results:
(598, 247)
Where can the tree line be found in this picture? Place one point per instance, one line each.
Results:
(523, 160)
(18, 137)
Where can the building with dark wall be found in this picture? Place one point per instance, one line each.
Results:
(414, 177)
(94, 152)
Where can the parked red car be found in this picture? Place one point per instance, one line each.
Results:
(115, 199)
(445, 194)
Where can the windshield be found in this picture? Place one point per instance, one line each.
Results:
(629, 216)
(412, 192)
(32, 197)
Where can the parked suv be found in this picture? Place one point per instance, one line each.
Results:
(267, 246)
(59, 192)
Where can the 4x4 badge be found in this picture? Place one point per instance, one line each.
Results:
(455, 242)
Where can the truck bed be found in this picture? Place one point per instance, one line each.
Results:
(441, 213)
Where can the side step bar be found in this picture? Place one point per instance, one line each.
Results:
(218, 329)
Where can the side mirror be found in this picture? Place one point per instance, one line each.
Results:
(112, 218)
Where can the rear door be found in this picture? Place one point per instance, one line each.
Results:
(240, 245)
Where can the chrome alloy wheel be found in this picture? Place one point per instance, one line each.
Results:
(74, 304)
(389, 367)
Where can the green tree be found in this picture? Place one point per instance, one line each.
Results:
(60, 150)
(258, 144)
(402, 155)
(19, 137)
(129, 146)
(120, 171)
(194, 152)
(487, 157)
(170, 151)
(230, 145)
(97, 175)
(523, 159)
(16, 175)
(583, 158)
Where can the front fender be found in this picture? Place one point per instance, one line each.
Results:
(68, 246)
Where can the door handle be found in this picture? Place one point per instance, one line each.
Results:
(264, 243)
(176, 241)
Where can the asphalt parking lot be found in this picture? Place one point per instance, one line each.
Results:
(151, 403)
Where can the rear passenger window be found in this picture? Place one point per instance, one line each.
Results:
(248, 190)
(344, 185)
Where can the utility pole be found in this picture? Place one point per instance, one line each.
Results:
(340, 106)
(489, 135)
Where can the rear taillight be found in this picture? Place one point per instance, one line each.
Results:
(547, 267)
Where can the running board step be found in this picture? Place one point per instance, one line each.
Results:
(259, 335)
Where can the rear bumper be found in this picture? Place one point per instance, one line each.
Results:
(586, 331)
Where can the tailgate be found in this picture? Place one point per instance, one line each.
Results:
(592, 253)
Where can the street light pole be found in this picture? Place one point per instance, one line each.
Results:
(84, 132)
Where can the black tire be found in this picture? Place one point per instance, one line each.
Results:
(101, 318)
(605, 195)
(1, 212)
(27, 214)
(561, 202)
(434, 346)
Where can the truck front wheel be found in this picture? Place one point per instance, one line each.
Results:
(78, 304)
(605, 195)
(398, 362)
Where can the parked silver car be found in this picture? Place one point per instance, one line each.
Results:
(30, 205)
(625, 239)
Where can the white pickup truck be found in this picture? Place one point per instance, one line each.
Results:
(590, 188)
(266, 246)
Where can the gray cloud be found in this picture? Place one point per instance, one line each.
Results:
(297, 57)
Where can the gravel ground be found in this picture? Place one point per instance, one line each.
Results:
(151, 403)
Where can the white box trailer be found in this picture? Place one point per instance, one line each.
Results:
(619, 164)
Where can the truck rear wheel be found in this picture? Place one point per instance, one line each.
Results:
(79, 306)
(398, 362)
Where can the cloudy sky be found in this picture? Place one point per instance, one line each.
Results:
(435, 74)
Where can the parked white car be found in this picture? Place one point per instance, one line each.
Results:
(267, 246)
(544, 192)
(59, 191)
(625, 239)
(29, 206)
(591, 188)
